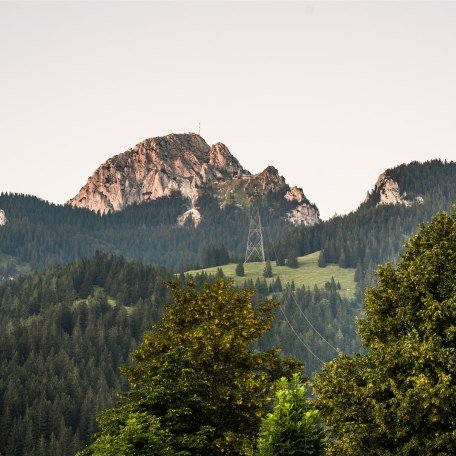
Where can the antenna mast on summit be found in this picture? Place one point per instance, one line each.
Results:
(199, 128)
(255, 247)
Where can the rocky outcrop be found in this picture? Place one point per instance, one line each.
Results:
(3, 218)
(304, 214)
(191, 217)
(387, 191)
(295, 194)
(154, 168)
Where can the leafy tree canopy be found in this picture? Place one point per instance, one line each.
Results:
(400, 397)
(195, 381)
(293, 428)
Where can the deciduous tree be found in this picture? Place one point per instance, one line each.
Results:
(195, 373)
(400, 397)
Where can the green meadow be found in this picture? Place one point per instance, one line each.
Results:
(308, 273)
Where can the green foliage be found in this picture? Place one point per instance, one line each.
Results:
(195, 372)
(292, 428)
(292, 259)
(240, 272)
(128, 433)
(65, 331)
(322, 262)
(399, 397)
(63, 335)
(267, 271)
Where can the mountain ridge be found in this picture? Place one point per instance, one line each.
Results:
(184, 163)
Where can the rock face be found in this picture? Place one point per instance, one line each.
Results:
(185, 163)
(190, 217)
(3, 218)
(305, 214)
(154, 168)
(387, 191)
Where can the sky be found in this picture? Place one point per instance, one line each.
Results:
(330, 93)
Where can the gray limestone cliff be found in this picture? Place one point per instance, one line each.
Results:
(387, 191)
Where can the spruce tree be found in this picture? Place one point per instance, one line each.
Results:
(240, 270)
(292, 260)
(322, 259)
(267, 271)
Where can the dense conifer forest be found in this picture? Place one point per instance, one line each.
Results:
(66, 329)
(43, 234)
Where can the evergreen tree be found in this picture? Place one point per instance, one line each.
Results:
(280, 259)
(267, 271)
(292, 260)
(240, 270)
(399, 397)
(322, 262)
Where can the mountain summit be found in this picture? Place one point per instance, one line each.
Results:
(154, 168)
(185, 163)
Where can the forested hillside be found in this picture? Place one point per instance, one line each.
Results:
(43, 234)
(63, 335)
(376, 233)
(65, 332)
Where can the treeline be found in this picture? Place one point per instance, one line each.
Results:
(374, 234)
(43, 234)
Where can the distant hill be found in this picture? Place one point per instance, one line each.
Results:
(402, 198)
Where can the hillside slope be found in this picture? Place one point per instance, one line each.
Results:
(402, 198)
(65, 332)
(307, 274)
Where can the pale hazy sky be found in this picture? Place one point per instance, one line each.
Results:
(329, 93)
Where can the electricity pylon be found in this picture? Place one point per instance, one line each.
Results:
(255, 248)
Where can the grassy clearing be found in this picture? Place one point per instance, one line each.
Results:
(308, 273)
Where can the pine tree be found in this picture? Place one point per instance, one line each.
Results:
(240, 270)
(322, 259)
(267, 271)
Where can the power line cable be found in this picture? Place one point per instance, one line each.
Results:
(298, 306)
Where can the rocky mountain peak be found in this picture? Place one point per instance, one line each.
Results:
(270, 179)
(154, 168)
(221, 158)
(185, 163)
